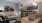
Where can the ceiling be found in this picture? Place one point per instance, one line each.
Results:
(16, 1)
(25, 2)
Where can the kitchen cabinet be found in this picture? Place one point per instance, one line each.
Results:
(31, 16)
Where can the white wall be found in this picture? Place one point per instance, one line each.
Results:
(40, 7)
(8, 3)
(1, 7)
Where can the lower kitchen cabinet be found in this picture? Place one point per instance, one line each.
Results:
(32, 16)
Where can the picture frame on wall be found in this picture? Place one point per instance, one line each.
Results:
(8, 8)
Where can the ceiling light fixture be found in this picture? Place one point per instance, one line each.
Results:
(34, 3)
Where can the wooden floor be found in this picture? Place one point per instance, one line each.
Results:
(25, 20)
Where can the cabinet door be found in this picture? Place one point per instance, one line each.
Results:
(25, 14)
(31, 16)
